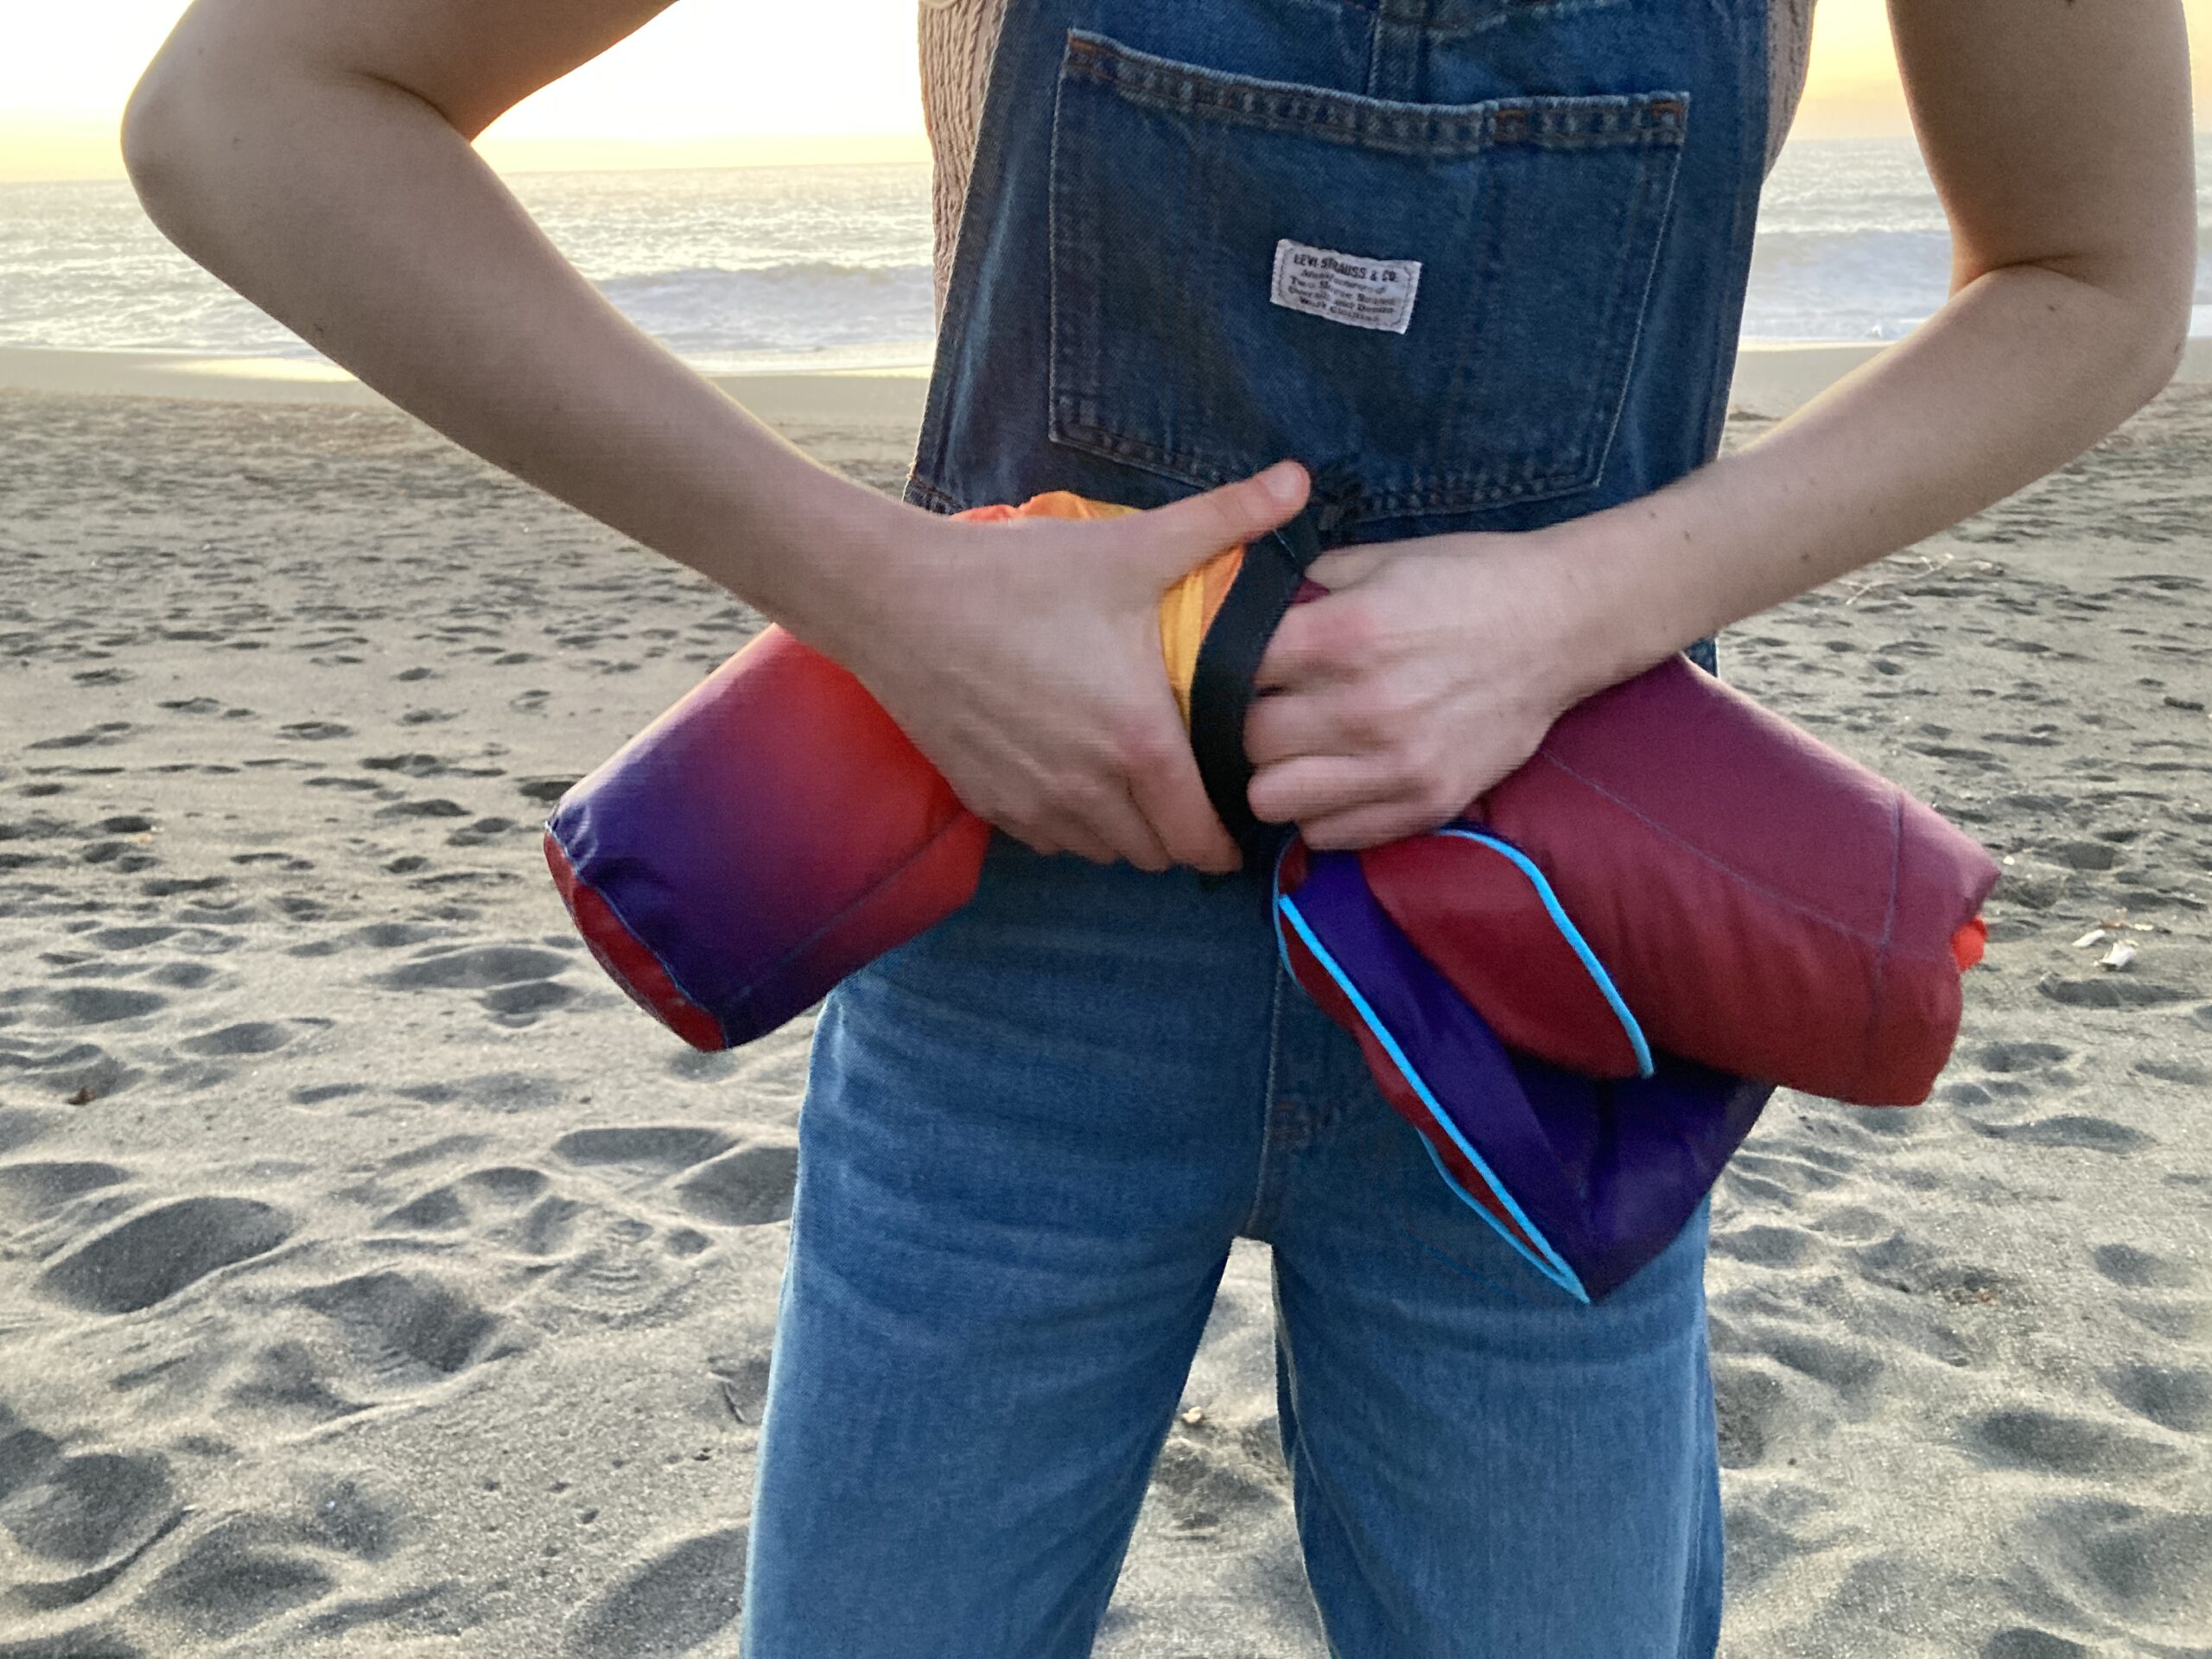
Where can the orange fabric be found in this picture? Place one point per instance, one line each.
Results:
(1186, 610)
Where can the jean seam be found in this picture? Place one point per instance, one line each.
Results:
(1325, 1496)
(1469, 490)
(1249, 1228)
(1195, 92)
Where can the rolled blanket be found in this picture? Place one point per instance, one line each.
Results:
(1736, 892)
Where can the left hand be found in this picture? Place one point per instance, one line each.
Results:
(1432, 669)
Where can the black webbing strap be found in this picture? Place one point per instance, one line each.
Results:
(1228, 658)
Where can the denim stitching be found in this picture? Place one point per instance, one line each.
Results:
(1608, 120)
(1474, 16)
(1637, 314)
(1499, 16)
(1054, 205)
(1655, 122)
(1267, 1106)
(923, 493)
(1191, 467)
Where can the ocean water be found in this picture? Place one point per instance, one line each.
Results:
(752, 269)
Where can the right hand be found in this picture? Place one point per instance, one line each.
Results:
(1023, 659)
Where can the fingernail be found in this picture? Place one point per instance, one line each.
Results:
(1281, 482)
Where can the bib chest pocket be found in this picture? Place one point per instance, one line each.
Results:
(1244, 268)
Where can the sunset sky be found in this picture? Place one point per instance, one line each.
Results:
(726, 82)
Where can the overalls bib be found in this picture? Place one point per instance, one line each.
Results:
(1481, 264)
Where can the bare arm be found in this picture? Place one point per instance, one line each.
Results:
(315, 156)
(2058, 135)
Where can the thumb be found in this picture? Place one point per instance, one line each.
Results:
(1182, 535)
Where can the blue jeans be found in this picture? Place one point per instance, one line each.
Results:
(1029, 1138)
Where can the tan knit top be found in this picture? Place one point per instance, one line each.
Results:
(957, 41)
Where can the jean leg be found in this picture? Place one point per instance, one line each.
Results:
(1482, 1466)
(1024, 1152)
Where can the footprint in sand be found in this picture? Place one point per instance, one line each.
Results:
(234, 1577)
(414, 764)
(508, 1204)
(2138, 1269)
(1208, 1486)
(182, 976)
(1766, 1245)
(286, 1377)
(514, 982)
(2062, 1443)
(101, 1005)
(19, 1126)
(436, 807)
(2149, 1570)
(159, 1252)
(701, 1065)
(1752, 1404)
(519, 1005)
(2070, 1129)
(474, 968)
(2110, 991)
(376, 935)
(172, 886)
(2024, 1642)
(616, 1273)
(742, 1382)
(660, 1147)
(483, 830)
(72, 1645)
(2186, 1073)
(38, 1189)
(750, 1187)
(321, 1094)
(242, 1041)
(78, 1520)
(2171, 1396)
(2008, 1057)
(497, 1091)
(671, 1603)
(106, 733)
(403, 1330)
(548, 1226)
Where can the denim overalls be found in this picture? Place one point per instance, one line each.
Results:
(1488, 257)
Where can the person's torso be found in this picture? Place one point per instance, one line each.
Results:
(956, 38)
(1478, 263)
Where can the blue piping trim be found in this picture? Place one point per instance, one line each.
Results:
(1614, 1000)
(1451, 1185)
(1550, 1262)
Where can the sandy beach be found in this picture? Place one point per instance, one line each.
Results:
(375, 1280)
